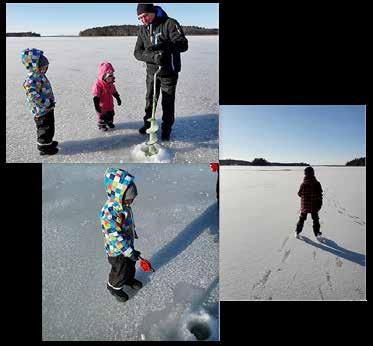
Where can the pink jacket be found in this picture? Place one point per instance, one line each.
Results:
(104, 90)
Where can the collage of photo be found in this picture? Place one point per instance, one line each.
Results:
(158, 201)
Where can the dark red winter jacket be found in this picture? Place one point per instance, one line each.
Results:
(310, 193)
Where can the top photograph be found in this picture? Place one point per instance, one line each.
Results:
(115, 82)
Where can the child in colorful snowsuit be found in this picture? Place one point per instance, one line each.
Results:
(310, 193)
(118, 228)
(103, 91)
(40, 98)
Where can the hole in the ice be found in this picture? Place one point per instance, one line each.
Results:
(199, 329)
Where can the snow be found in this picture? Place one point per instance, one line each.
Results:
(162, 156)
(176, 218)
(260, 258)
(73, 68)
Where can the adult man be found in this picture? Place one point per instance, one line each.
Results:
(159, 43)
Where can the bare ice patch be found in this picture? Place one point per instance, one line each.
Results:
(184, 319)
(180, 324)
(138, 154)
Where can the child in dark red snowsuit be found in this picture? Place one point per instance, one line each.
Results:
(103, 91)
(310, 193)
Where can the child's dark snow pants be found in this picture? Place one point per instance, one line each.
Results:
(104, 119)
(122, 271)
(167, 84)
(45, 131)
(316, 223)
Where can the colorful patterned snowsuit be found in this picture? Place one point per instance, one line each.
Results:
(40, 98)
(117, 222)
(37, 86)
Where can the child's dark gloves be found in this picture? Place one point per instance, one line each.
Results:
(119, 101)
(136, 254)
(96, 102)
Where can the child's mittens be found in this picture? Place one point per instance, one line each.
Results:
(117, 97)
(135, 234)
(136, 254)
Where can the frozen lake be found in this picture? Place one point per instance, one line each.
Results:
(260, 259)
(176, 218)
(73, 69)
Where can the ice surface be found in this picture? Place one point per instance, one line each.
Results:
(176, 217)
(260, 258)
(72, 71)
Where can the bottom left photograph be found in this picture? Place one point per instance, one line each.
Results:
(130, 252)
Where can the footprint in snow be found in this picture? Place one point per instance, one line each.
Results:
(286, 255)
(338, 262)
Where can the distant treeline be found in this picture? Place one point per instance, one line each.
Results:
(22, 34)
(132, 30)
(356, 162)
(258, 162)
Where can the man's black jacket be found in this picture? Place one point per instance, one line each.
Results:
(163, 36)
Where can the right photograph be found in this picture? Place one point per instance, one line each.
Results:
(293, 202)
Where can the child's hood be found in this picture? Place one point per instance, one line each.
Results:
(310, 179)
(116, 182)
(30, 58)
(104, 67)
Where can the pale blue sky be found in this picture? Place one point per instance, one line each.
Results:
(313, 134)
(70, 18)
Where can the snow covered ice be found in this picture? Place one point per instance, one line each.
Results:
(176, 218)
(73, 68)
(260, 258)
(162, 156)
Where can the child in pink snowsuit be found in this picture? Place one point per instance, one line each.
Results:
(103, 91)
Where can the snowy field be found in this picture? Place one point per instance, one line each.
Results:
(260, 258)
(176, 218)
(73, 69)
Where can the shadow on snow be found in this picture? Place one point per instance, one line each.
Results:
(332, 247)
(209, 219)
(197, 129)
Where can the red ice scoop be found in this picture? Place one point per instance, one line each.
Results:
(214, 166)
(145, 265)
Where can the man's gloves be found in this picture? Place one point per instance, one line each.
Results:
(165, 47)
(160, 59)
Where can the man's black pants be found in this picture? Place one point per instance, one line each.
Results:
(166, 84)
